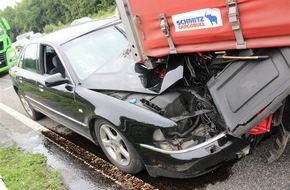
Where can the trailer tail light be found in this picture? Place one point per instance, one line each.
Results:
(262, 127)
(161, 72)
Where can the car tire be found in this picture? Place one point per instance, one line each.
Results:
(117, 148)
(35, 115)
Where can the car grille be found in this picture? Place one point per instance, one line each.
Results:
(3, 60)
(1, 45)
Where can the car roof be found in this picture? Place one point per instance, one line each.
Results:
(67, 34)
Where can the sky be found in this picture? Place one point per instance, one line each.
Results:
(5, 3)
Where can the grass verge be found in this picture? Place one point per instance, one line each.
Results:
(27, 171)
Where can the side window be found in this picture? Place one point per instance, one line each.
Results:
(52, 63)
(29, 58)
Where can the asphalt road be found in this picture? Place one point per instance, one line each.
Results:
(251, 172)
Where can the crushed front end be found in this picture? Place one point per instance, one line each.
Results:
(197, 144)
(204, 135)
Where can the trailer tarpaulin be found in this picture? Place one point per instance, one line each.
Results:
(183, 26)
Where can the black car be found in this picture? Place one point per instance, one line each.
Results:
(163, 119)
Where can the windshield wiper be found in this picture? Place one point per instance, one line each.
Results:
(121, 31)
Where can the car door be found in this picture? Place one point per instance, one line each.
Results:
(58, 101)
(26, 72)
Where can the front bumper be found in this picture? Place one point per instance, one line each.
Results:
(193, 161)
(4, 66)
(5, 62)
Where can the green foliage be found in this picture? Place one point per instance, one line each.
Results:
(9, 14)
(45, 16)
(52, 27)
(101, 14)
(27, 171)
(105, 12)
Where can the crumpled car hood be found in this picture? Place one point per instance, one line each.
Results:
(123, 74)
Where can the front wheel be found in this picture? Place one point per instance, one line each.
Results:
(117, 148)
(35, 115)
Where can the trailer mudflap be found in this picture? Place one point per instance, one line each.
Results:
(246, 88)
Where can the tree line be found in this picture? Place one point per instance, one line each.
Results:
(42, 16)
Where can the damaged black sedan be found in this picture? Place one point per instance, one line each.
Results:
(163, 119)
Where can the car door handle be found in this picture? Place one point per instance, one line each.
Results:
(40, 87)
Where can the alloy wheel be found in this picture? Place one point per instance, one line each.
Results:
(114, 145)
(26, 105)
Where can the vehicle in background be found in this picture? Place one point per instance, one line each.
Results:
(7, 53)
(24, 38)
(80, 21)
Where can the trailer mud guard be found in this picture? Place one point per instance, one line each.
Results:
(247, 87)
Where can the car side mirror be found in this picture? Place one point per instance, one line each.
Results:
(55, 79)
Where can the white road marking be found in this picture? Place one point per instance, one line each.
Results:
(22, 118)
(7, 88)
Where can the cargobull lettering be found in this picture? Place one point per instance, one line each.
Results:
(190, 22)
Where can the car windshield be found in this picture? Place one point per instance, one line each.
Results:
(89, 52)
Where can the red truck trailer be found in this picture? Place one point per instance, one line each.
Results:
(168, 27)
